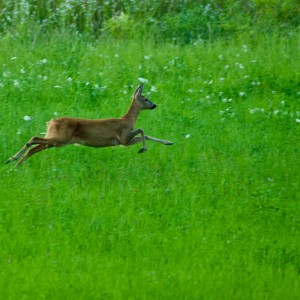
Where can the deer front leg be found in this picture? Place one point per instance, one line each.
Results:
(150, 138)
(133, 139)
(164, 142)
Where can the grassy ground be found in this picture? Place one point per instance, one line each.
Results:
(215, 216)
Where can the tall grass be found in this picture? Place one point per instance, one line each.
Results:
(216, 216)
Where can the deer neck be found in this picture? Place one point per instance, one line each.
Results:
(132, 113)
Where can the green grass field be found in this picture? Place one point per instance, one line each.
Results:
(215, 216)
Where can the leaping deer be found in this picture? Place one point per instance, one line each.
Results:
(93, 133)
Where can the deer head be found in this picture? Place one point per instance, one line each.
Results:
(141, 100)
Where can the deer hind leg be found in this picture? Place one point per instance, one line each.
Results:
(33, 141)
(33, 151)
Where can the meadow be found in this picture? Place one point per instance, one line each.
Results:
(214, 216)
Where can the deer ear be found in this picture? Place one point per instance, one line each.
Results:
(138, 91)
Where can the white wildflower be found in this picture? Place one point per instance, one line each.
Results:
(143, 80)
(146, 57)
(187, 136)
(297, 120)
(27, 118)
(43, 61)
(43, 77)
(153, 89)
(242, 94)
(6, 74)
(255, 110)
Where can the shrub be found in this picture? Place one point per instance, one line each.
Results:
(181, 21)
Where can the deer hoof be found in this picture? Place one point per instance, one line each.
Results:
(168, 143)
(142, 150)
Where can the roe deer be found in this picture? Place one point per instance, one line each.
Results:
(93, 133)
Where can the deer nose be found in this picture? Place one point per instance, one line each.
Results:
(154, 105)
